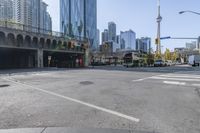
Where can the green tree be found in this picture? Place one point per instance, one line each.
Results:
(174, 56)
(167, 54)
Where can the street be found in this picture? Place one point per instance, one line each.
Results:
(148, 100)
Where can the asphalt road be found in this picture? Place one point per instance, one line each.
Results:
(161, 100)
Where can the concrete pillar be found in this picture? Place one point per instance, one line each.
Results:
(40, 63)
(86, 57)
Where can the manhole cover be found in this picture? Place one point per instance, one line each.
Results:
(1, 86)
(86, 83)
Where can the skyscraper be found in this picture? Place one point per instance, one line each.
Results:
(6, 10)
(128, 40)
(111, 31)
(143, 44)
(104, 36)
(79, 18)
(32, 13)
(91, 22)
(98, 37)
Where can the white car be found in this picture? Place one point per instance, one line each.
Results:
(169, 63)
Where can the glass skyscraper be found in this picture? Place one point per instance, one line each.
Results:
(79, 18)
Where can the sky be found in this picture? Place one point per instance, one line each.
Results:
(140, 16)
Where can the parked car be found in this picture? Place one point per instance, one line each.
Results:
(159, 63)
(168, 62)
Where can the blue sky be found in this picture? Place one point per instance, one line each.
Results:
(140, 16)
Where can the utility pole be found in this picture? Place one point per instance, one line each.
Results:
(159, 19)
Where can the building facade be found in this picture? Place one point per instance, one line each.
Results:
(112, 31)
(32, 13)
(79, 18)
(98, 37)
(6, 10)
(191, 46)
(128, 40)
(143, 45)
(104, 36)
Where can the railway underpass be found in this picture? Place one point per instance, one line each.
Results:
(11, 58)
(21, 48)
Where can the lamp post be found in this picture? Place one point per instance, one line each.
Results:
(197, 13)
(188, 11)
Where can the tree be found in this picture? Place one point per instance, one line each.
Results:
(158, 56)
(174, 56)
(167, 54)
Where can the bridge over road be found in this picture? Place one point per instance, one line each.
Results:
(24, 46)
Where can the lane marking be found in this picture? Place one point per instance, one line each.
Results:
(182, 76)
(177, 79)
(174, 83)
(197, 85)
(76, 101)
(138, 80)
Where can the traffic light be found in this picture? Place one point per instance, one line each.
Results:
(156, 41)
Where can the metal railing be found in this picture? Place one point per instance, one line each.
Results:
(31, 29)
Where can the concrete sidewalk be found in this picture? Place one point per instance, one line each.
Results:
(66, 130)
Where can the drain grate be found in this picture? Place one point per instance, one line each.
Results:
(5, 85)
(86, 83)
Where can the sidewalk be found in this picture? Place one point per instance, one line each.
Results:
(66, 130)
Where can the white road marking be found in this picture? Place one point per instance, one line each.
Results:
(76, 101)
(174, 83)
(182, 76)
(198, 85)
(138, 80)
(177, 79)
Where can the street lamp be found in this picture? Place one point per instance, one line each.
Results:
(197, 13)
(188, 11)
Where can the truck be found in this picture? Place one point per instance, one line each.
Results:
(194, 60)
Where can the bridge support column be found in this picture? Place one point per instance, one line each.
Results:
(86, 58)
(40, 63)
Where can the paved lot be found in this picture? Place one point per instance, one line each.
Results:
(163, 100)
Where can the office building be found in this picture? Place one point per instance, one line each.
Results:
(32, 13)
(191, 46)
(128, 40)
(79, 18)
(98, 37)
(104, 36)
(143, 44)
(111, 31)
(6, 10)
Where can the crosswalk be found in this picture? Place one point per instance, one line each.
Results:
(179, 79)
(175, 79)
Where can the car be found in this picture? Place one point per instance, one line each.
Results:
(168, 62)
(159, 63)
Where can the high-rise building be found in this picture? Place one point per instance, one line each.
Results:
(79, 18)
(98, 37)
(143, 44)
(36, 13)
(6, 10)
(32, 13)
(104, 36)
(128, 40)
(91, 22)
(191, 46)
(111, 31)
(23, 12)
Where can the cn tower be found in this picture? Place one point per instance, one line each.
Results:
(159, 19)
